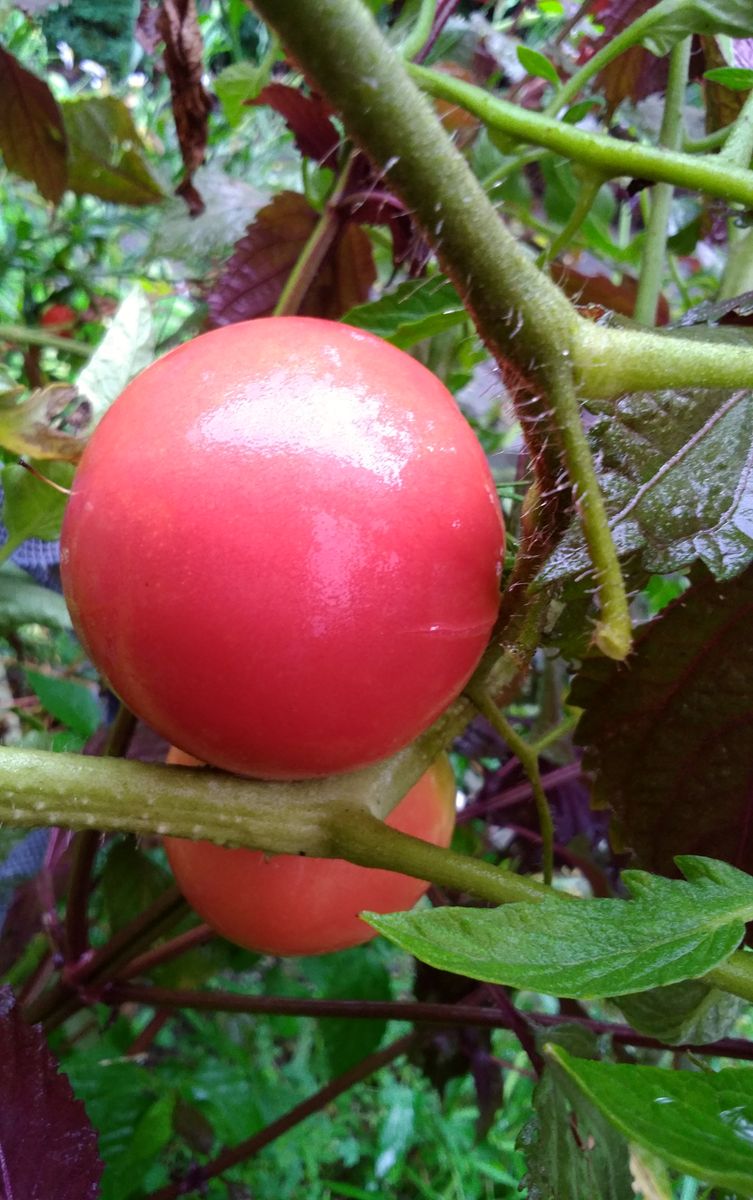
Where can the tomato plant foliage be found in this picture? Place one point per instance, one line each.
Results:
(481, 214)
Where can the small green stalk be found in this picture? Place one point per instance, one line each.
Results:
(735, 975)
(419, 34)
(590, 186)
(738, 148)
(529, 761)
(313, 253)
(631, 36)
(19, 335)
(613, 633)
(655, 244)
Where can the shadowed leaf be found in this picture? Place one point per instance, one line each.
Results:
(32, 137)
(667, 736)
(691, 1012)
(48, 1147)
(106, 152)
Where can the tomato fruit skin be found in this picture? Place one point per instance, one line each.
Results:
(288, 905)
(283, 548)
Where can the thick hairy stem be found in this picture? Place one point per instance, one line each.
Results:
(520, 313)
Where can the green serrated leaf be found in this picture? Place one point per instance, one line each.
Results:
(32, 508)
(671, 930)
(740, 79)
(537, 64)
(106, 154)
(23, 602)
(411, 313)
(71, 702)
(673, 21)
(700, 1122)
(127, 348)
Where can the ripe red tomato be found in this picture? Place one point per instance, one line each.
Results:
(283, 547)
(288, 905)
(59, 318)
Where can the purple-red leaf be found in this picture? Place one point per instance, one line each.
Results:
(308, 119)
(179, 26)
(32, 137)
(253, 279)
(668, 734)
(48, 1148)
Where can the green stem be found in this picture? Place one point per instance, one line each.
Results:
(735, 975)
(590, 186)
(521, 314)
(613, 633)
(419, 34)
(737, 276)
(312, 255)
(738, 148)
(611, 362)
(565, 726)
(628, 37)
(529, 760)
(364, 840)
(655, 244)
(599, 151)
(20, 335)
(711, 141)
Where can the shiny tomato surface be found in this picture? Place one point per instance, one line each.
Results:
(287, 905)
(283, 547)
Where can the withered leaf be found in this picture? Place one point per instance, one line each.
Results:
(179, 25)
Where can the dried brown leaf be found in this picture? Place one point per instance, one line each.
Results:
(178, 23)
